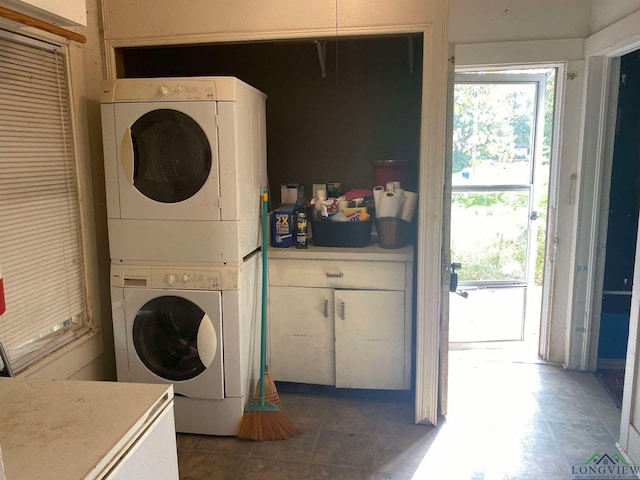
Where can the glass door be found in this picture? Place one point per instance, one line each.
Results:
(496, 203)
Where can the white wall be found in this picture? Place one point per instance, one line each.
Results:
(58, 12)
(137, 22)
(483, 21)
(606, 12)
(88, 76)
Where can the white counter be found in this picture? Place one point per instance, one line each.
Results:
(70, 430)
(373, 252)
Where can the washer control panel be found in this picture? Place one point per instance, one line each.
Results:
(179, 278)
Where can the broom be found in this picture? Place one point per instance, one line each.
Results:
(263, 420)
(270, 391)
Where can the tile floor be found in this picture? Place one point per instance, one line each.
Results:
(613, 383)
(506, 420)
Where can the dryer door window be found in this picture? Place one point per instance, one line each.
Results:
(166, 334)
(171, 156)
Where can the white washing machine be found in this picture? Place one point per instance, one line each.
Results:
(196, 327)
(185, 164)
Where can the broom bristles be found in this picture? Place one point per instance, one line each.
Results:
(266, 425)
(270, 391)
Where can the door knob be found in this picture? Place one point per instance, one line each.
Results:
(453, 279)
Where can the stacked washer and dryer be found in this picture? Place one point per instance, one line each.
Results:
(185, 164)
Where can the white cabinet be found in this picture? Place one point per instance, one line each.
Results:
(337, 319)
(302, 335)
(370, 339)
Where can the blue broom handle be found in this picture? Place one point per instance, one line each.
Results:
(263, 318)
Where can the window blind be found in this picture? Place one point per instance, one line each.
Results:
(40, 248)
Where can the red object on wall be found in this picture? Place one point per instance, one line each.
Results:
(3, 306)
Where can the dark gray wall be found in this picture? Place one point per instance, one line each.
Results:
(318, 129)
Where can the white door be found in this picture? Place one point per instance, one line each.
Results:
(497, 168)
(176, 337)
(370, 335)
(167, 160)
(630, 414)
(302, 335)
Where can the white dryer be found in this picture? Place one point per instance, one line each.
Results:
(193, 326)
(185, 164)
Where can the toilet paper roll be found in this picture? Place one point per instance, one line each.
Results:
(377, 193)
(389, 205)
(396, 186)
(391, 187)
(409, 205)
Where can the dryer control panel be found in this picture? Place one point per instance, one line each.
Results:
(178, 278)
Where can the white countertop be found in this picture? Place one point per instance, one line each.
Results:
(373, 252)
(68, 430)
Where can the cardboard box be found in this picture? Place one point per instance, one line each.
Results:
(283, 226)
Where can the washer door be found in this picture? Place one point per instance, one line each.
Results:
(176, 338)
(167, 160)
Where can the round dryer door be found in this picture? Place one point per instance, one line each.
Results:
(174, 338)
(171, 156)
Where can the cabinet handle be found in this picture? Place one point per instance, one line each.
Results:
(335, 275)
(343, 311)
(325, 310)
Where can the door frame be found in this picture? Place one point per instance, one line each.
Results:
(554, 186)
(603, 67)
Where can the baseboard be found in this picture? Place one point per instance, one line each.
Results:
(611, 364)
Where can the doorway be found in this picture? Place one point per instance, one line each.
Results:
(621, 226)
(501, 167)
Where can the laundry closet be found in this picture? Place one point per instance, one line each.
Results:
(346, 85)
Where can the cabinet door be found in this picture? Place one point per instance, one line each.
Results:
(302, 335)
(369, 339)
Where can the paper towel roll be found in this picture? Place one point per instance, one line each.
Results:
(396, 185)
(389, 205)
(409, 205)
(377, 193)
(400, 193)
(391, 186)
